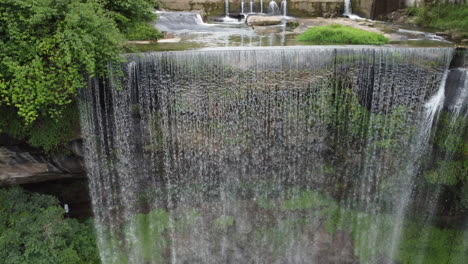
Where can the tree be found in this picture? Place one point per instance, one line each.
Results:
(33, 230)
(47, 50)
(46, 47)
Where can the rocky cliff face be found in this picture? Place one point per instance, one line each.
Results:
(20, 163)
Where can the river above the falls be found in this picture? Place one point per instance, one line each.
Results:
(188, 30)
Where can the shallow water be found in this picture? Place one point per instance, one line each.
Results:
(195, 33)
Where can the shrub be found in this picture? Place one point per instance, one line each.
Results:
(33, 230)
(142, 31)
(339, 34)
(444, 16)
(48, 49)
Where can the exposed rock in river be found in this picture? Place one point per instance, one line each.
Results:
(263, 20)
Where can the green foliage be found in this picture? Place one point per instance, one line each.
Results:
(132, 17)
(372, 233)
(49, 47)
(443, 16)
(223, 222)
(449, 173)
(130, 11)
(339, 34)
(142, 31)
(46, 132)
(449, 133)
(450, 169)
(149, 228)
(33, 230)
(46, 47)
(306, 200)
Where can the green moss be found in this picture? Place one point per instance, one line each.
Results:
(448, 173)
(224, 222)
(306, 200)
(339, 34)
(149, 229)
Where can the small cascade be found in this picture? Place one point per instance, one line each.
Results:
(226, 8)
(180, 21)
(347, 8)
(273, 8)
(242, 7)
(284, 8)
(261, 6)
(251, 6)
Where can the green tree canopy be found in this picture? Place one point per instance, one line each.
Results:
(49, 47)
(33, 230)
(46, 48)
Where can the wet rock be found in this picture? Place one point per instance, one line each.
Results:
(292, 24)
(333, 248)
(443, 34)
(263, 20)
(457, 36)
(20, 164)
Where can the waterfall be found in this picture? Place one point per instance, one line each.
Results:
(261, 6)
(251, 6)
(284, 8)
(252, 155)
(273, 8)
(242, 7)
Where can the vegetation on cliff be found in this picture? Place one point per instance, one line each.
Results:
(33, 230)
(48, 48)
(444, 16)
(339, 34)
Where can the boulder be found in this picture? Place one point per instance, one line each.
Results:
(263, 20)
